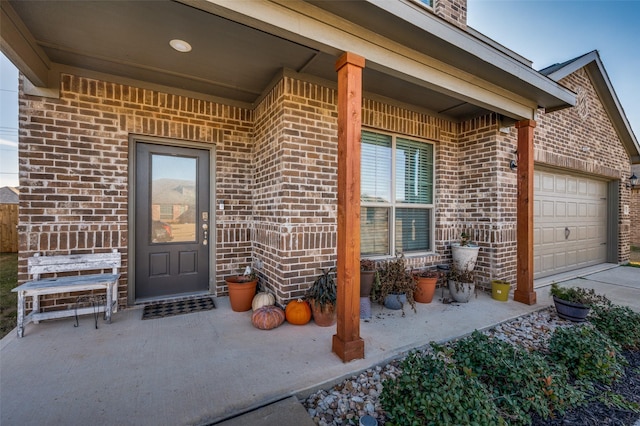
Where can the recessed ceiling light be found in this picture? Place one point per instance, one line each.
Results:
(180, 45)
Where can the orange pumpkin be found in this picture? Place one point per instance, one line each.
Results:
(267, 317)
(298, 312)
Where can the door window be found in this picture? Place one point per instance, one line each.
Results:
(173, 198)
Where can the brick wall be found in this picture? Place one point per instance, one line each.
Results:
(276, 174)
(582, 139)
(295, 200)
(452, 11)
(487, 199)
(74, 167)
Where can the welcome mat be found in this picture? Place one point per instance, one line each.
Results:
(169, 309)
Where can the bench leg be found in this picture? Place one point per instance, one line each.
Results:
(107, 309)
(36, 306)
(20, 313)
(114, 300)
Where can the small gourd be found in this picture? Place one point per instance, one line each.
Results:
(262, 299)
(298, 312)
(267, 317)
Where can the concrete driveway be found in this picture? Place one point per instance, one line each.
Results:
(205, 367)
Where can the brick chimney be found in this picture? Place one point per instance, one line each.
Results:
(453, 11)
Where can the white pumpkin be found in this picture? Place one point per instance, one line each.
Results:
(262, 299)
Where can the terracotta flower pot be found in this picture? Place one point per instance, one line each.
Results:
(324, 316)
(241, 292)
(425, 289)
(366, 282)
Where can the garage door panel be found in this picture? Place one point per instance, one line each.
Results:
(562, 203)
(582, 187)
(547, 208)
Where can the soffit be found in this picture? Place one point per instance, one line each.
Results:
(230, 60)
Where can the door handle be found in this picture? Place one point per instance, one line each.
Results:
(205, 234)
(567, 232)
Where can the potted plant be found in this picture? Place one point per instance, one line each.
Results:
(396, 285)
(367, 276)
(464, 253)
(461, 284)
(426, 282)
(322, 298)
(574, 303)
(242, 289)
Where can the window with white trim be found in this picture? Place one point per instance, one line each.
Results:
(396, 195)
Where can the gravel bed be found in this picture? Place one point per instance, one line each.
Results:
(346, 402)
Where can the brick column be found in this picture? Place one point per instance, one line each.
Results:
(347, 343)
(524, 291)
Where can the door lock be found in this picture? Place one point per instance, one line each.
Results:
(205, 234)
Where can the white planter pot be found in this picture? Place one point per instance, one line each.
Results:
(461, 292)
(464, 257)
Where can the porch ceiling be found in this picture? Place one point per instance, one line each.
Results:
(230, 60)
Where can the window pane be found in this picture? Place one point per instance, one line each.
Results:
(173, 199)
(374, 230)
(413, 230)
(414, 172)
(375, 174)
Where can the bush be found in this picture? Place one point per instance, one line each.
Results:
(521, 382)
(431, 392)
(620, 323)
(587, 353)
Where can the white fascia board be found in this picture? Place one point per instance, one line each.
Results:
(473, 46)
(304, 23)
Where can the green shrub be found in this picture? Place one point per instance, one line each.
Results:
(521, 382)
(581, 295)
(620, 323)
(587, 353)
(431, 392)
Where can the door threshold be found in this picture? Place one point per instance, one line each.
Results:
(171, 298)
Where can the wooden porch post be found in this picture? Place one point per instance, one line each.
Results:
(524, 291)
(347, 343)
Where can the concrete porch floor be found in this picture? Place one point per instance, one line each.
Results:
(206, 367)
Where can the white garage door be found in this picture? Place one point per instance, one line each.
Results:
(570, 222)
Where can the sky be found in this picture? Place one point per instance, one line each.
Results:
(543, 31)
(8, 123)
(555, 31)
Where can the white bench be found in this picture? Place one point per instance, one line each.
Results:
(38, 265)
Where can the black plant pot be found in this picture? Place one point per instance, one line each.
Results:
(576, 312)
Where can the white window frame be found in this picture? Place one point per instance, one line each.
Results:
(393, 205)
